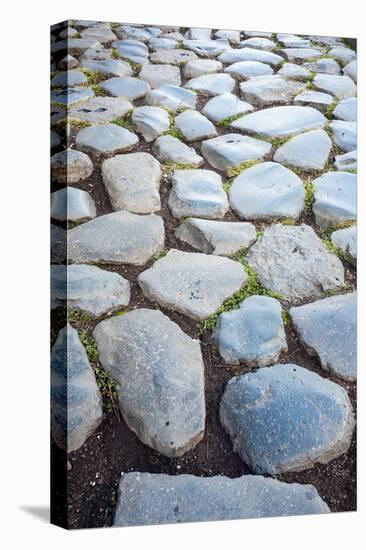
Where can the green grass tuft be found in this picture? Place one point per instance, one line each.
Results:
(309, 196)
(226, 122)
(114, 53)
(329, 110)
(94, 77)
(169, 167)
(98, 90)
(285, 317)
(90, 346)
(159, 255)
(236, 170)
(125, 122)
(76, 316)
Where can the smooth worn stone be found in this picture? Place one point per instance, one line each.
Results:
(104, 35)
(68, 62)
(130, 32)
(295, 55)
(173, 35)
(196, 33)
(294, 72)
(266, 90)
(267, 190)
(172, 97)
(55, 140)
(191, 283)
(68, 96)
(339, 86)
(225, 106)
(69, 32)
(261, 34)
(75, 46)
(88, 289)
(325, 66)
(151, 122)
(335, 195)
(194, 126)
(207, 48)
(171, 150)
(259, 43)
(110, 67)
(160, 375)
(70, 166)
(117, 238)
(243, 70)
(250, 54)
(318, 100)
(309, 151)
(346, 240)
(172, 57)
(342, 54)
(93, 54)
(160, 75)
(105, 139)
(281, 121)
(156, 499)
(292, 40)
(344, 134)
(346, 109)
(101, 109)
(212, 84)
(230, 150)
(253, 335)
(132, 182)
(58, 244)
(286, 418)
(76, 409)
(348, 161)
(328, 329)
(162, 43)
(213, 237)
(133, 50)
(198, 67)
(197, 193)
(232, 36)
(293, 261)
(74, 205)
(68, 79)
(125, 86)
(351, 70)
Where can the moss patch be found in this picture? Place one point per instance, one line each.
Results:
(236, 170)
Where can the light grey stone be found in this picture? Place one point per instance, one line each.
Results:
(69, 32)
(172, 57)
(160, 75)
(309, 151)
(295, 55)
(325, 66)
(292, 40)
(348, 161)
(191, 283)
(212, 84)
(339, 86)
(173, 35)
(125, 86)
(346, 109)
(197, 193)
(346, 240)
(230, 150)
(286, 418)
(135, 33)
(243, 70)
(250, 54)
(253, 334)
(96, 54)
(259, 43)
(225, 105)
(342, 54)
(214, 237)
(74, 205)
(232, 36)
(101, 109)
(133, 50)
(267, 190)
(344, 134)
(68, 96)
(76, 402)
(58, 244)
(196, 33)
(351, 70)
(194, 126)
(55, 140)
(328, 329)
(293, 261)
(318, 100)
(266, 90)
(57, 113)
(109, 67)
(102, 34)
(198, 67)
(261, 34)
(105, 139)
(68, 79)
(132, 182)
(172, 97)
(294, 72)
(75, 46)
(160, 375)
(151, 122)
(68, 62)
(170, 149)
(162, 43)
(154, 499)
(207, 48)
(118, 238)
(70, 166)
(335, 195)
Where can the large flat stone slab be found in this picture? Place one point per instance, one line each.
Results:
(69, 96)
(324, 66)
(194, 126)
(351, 70)
(151, 122)
(160, 75)
(230, 150)
(128, 87)
(348, 161)
(266, 90)
(70, 166)
(335, 197)
(207, 48)
(68, 79)
(224, 106)
(198, 67)
(101, 109)
(211, 84)
(318, 100)
(250, 54)
(243, 70)
(108, 67)
(132, 49)
(172, 97)
(344, 134)
(105, 139)
(74, 205)
(338, 86)
(170, 149)
(309, 151)
(346, 109)
(172, 57)
(295, 55)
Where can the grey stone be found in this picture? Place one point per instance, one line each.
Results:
(266, 90)
(294, 72)
(262, 34)
(309, 151)
(339, 86)
(96, 54)
(342, 54)
(68, 96)
(74, 205)
(160, 375)
(194, 126)
(214, 237)
(68, 79)
(250, 54)
(196, 33)
(232, 36)
(325, 66)
(132, 182)
(212, 84)
(267, 190)
(151, 122)
(137, 33)
(75, 46)
(198, 67)
(348, 161)
(230, 150)
(118, 238)
(160, 75)
(68, 62)
(154, 499)
(105, 139)
(207, 48)
(162, 43)
(295, 55)
(101, 109)
(351, 70)
(346, 240)
(259, 43)
(243, 70)
(132, 49)
(76, 402)
(57, 113)
(70, 166)
(69, 32)
(88, 289)
(109, 67)
(197, 193)
(286, 418)
(225, 105)
(318, 100)
(346, 109)
(125, 86)
(292, 40)
(335, 195)
(172, 97)
(191, 283)
(281, 121)
(55, 140)
(253, 334)
(173, 35)
(172, 57)
(344, 134)
(328, 329)
(103, 34)
(170, 149)
(292, 261)
(58, 244)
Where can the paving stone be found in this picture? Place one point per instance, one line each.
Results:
(88, 289)
(292, 40)
(125, 86)
(348, 161)
(346, 109)
(132, 182)
(160, 375)
(294, 72)
(69, 32)
(230, 150)
(160, 75)
(117, 238)
(281, 121)
(173, 35)
(170, 149)
(105, 139)
(153, 499)
(101, 109)
(286, 418)
(292, 261)
(74, 205)
(232, 36)
(172, 97)
(318, 100)
(76, 400)
(191, 283)
(261, 34)
(196, 33)
(68, 78)
(309, 151)
(151, 122)
(70, 166)
(259, 43)
(68, 62)
(253, 334)
(295, 55)
(162, 44)
(342, 54)
(328, 329)
(133, 50)
(224, 106)
(68, 96)
(104, 35)
(96, 54)
(250, 54)
(194, 126)
(58, 244)
(198, 67)
(212, 84)
(346, 240)
(213, 237)
(110, 67)
(339, 86)
(74, 46)
(335, 195)
(351, 70)
(55, 140)
(266, 90)
(129, 32)
(344, 134)
(197, 193)
(324, 66)
(172, 57)
(267, 190)
(243, 70)
(207, 48)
